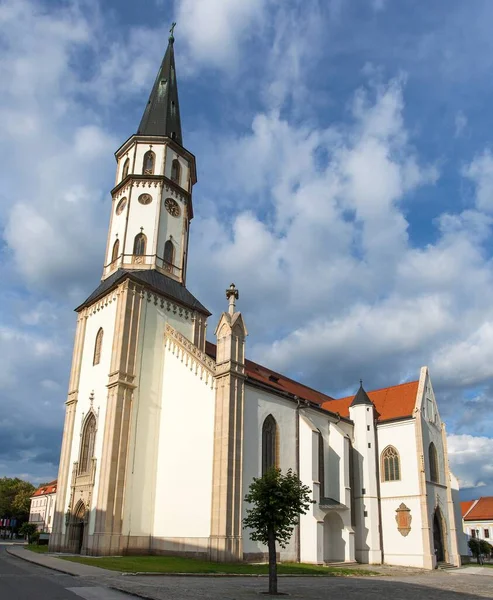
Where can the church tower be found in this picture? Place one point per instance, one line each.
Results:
(109, 455)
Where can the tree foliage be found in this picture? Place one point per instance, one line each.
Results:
(276, 502)
(15, 497)
(28, 530)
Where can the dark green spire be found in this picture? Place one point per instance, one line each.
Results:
(162, 113)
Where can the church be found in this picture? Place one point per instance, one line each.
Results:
(164, 431)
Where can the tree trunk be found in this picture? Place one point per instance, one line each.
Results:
(271, 544)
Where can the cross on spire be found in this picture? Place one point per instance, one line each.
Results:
(172, 32)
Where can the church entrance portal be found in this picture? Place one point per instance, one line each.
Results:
(438, 536)
(78, 525)
(334, 544)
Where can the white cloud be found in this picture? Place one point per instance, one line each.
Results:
(460, 123)
(468, 461)
(480, 171)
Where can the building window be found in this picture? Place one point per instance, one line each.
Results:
(433, 459)
(486, 533)
(175, 171)
(140, 245)
(98, 344)
(116, 251)
(321, 465)
(390, 466)
(169, 253)
(87, 443)
(126, 168)
(473, 533)
(270, 441)
(149, 161)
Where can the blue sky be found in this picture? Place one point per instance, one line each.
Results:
(345, 185)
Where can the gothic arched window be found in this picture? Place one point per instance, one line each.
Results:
(140, 245)
(321, 464)
(169, 252)
(87, 443)
(98, 344)
(149, 161)
(126, 168)
(270, 442)
(116, 251)
(175, 171)
(433, 459)
(390, 466)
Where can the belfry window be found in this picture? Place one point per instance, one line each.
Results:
(169, 252)
(270, 444)
(87, 444)
(390, 466)
(126, 168)
(140, 245)
(175, 171)
(116, 251)
(98, 344)
(433, 460)
(149, 162)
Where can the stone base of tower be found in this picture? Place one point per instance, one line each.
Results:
(226, 548)
(369, 557)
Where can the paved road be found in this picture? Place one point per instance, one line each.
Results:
(20, 580)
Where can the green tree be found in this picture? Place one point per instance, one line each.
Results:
(15, 498)
(276, 501)
(28, 530)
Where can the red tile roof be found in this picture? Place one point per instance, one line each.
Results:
(49, 488)
(391, 403)
(482, 510)
(465, 506)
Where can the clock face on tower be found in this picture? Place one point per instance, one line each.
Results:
(172, 207)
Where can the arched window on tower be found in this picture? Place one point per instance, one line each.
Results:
(169, 253)
(126, 167)
(116, 250)
(98, 344)
(87, 443)
(140, 245)
(390, 465)
(149, 162)
(175, 171)
(270, 444)
(433, 460)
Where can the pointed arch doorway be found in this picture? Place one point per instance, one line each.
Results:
(78, 526)
(438, 536)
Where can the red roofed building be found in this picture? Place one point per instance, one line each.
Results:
(43, 507)
(165, 432)
(477, 517)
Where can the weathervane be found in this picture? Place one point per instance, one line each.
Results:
(171, 32)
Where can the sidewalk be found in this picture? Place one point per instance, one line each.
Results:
(57, 564)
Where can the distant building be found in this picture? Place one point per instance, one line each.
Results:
(477, 518)
(43, 507)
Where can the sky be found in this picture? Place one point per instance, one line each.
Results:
(345, 167)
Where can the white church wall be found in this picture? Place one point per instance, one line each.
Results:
(258, 405)
(397, 548)
(142, 148)
(93, 380)
(310, 549)
(182, 507)
(461, 536)
(146, 415)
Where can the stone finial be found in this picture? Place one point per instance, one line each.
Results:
(232, 295)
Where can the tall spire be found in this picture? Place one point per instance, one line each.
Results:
(162, 113)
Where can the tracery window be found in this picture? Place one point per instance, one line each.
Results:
(140, 244)
(270, 441)
(391, 468)
(149, 161)
(98, 344)
(116, 251)
(87, 444)
(433, 460)
(126, 168)
(175, 171)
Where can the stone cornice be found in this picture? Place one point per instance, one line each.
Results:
(197, 361)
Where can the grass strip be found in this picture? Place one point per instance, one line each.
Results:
(175, 564)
